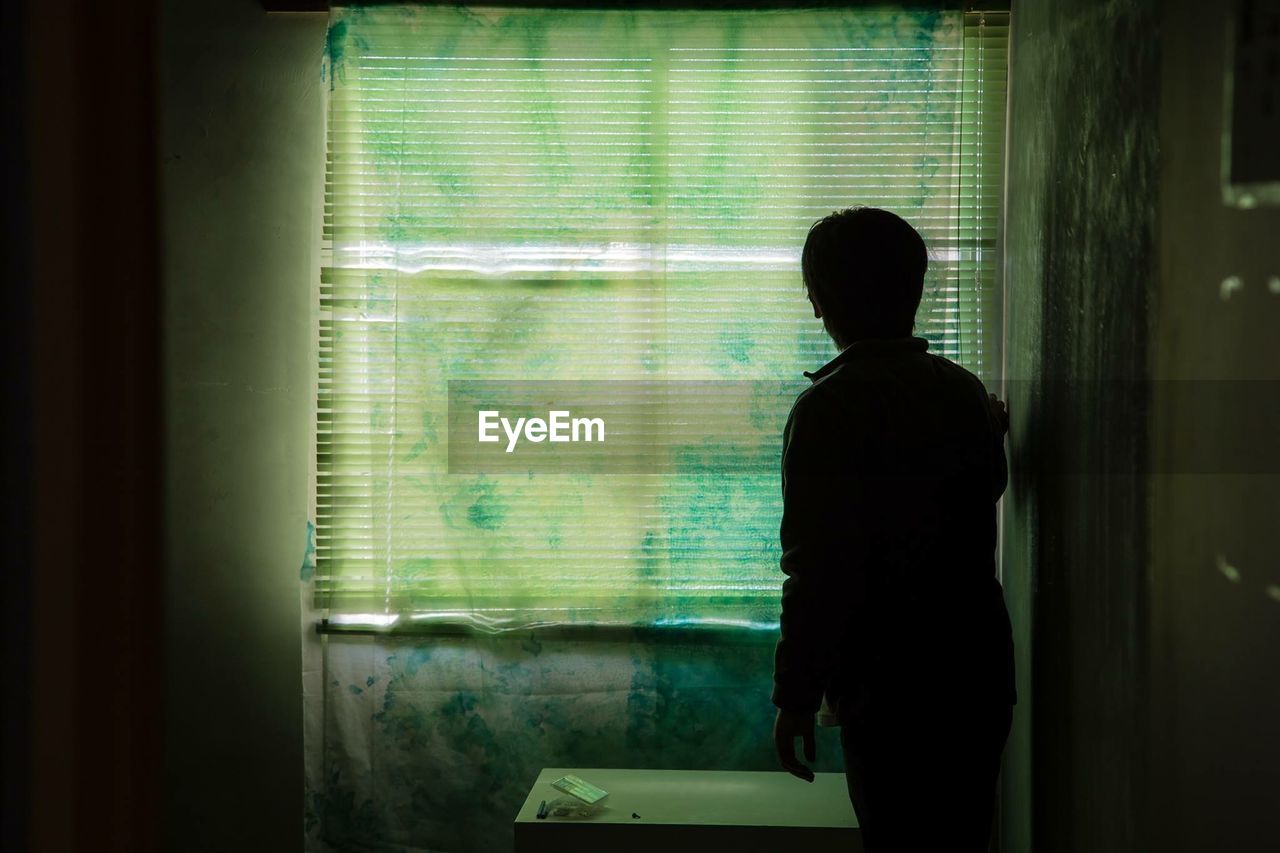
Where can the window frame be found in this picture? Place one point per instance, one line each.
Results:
(657, 633)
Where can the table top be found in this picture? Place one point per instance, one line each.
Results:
(702, 798)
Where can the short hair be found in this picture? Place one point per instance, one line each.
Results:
(865, 269)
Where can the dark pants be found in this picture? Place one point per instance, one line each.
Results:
(922, 775)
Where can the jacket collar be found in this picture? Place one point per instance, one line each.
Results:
(869, 346)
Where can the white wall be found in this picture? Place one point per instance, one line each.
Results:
(241, 148)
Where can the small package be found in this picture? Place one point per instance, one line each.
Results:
(580, 788)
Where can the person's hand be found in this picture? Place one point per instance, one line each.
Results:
(788, 726)
(999, 412)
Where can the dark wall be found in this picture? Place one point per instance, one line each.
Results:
(81, 430)
(1080, 271)
(1143, 373)
(15, 441)
(1215, 578)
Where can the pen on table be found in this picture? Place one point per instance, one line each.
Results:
(542, 810)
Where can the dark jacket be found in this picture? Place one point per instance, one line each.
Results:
(892, 464)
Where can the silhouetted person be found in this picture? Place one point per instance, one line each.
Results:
(892, 464)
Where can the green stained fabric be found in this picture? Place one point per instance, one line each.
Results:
(434, 745)
(614, 195)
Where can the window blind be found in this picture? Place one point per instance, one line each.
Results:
(523, 195)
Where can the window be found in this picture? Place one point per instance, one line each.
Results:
(536, 194)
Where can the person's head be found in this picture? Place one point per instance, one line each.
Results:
(864, 272)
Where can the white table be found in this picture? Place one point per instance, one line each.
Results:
(695, 810)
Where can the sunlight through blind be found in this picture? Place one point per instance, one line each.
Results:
(611, 197)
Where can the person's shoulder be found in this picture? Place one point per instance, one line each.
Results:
(944, 363)
(957, 372)
(815, 400)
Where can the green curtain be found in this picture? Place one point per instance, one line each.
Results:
(615, 197)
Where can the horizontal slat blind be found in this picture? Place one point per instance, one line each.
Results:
(517, 195)
(973, 318)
